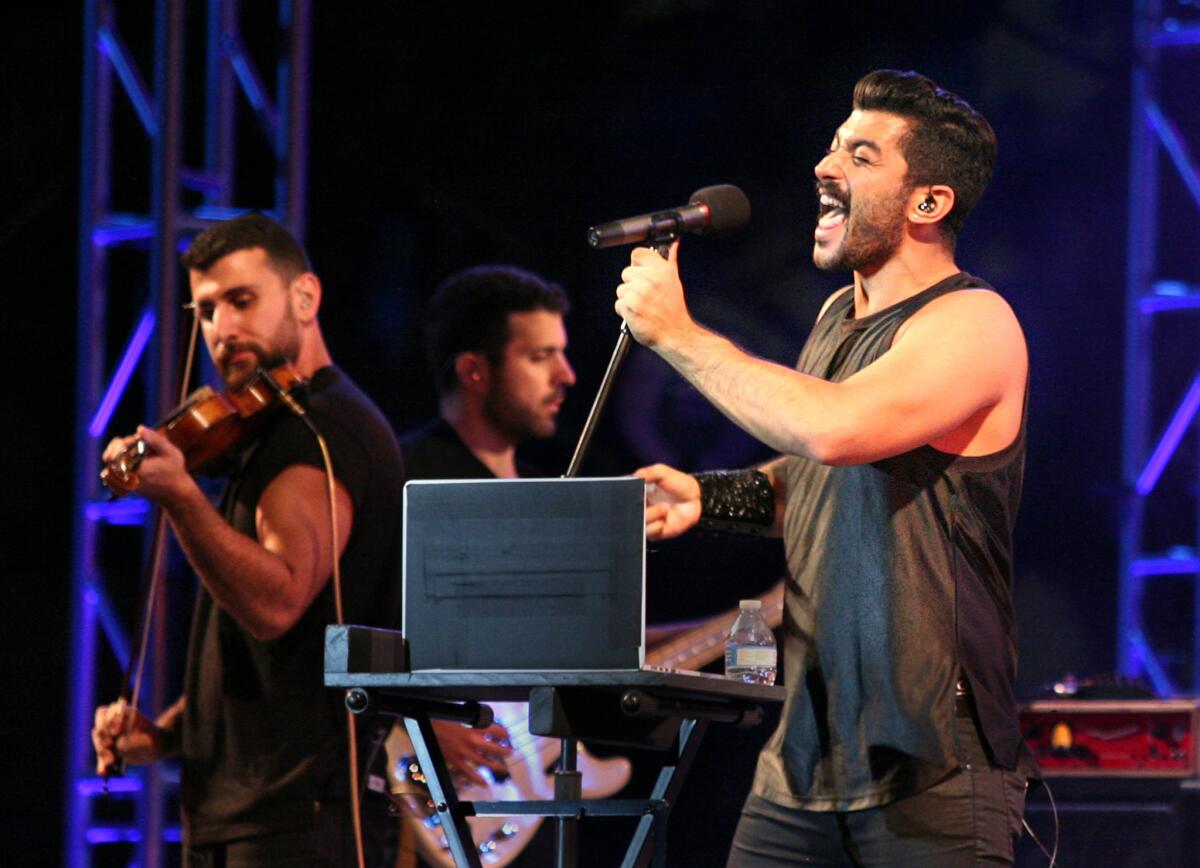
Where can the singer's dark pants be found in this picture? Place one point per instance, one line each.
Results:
(971, 818)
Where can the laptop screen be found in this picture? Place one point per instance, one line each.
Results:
(524, 574)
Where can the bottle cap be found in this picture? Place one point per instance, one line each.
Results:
(750, 604)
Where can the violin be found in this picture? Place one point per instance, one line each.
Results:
(210, 425)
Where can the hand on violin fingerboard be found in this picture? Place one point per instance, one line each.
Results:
(160, 473)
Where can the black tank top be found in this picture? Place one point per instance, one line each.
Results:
(900, 582)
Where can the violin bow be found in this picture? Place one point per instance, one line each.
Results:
(131, 679)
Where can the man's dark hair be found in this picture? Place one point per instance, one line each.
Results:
(284, 252)
(469, 313)
(949, 142)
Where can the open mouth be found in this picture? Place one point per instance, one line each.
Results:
(832, 210)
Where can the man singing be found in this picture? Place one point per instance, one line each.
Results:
(901, 435)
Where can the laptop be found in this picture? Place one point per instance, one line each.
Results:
(524, 574)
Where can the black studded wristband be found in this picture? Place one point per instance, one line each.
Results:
(736, 501)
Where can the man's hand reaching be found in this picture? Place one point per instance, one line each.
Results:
(672, 501)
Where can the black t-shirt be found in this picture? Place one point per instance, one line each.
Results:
(263, 740)
(435, 451)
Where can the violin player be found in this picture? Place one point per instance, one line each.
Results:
(263, 745)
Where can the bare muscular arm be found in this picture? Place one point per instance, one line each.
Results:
(954, 377)
(268, 584)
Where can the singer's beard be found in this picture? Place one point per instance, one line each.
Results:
(873, 232)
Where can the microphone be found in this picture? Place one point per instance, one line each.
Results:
(711, 212)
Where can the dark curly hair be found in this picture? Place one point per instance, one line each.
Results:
(469, 313)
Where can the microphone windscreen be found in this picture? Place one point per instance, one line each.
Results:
(728, 208)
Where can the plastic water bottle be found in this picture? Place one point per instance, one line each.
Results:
(750, 648)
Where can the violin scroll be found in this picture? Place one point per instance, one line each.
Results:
(120, 475)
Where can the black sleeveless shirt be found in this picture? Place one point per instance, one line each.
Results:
(264, 741)
(900, 582)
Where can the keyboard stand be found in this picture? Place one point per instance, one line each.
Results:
(664, 710)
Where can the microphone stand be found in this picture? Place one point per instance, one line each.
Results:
(661, 243)
(568, 781)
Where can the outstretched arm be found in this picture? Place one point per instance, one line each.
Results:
(915, 394)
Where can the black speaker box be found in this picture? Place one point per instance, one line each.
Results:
(1110, 822)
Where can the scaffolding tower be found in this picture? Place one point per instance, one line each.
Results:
(130, 233)
(1160, 533)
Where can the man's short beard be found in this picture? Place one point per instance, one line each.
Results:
(512, 420)
(872, 235)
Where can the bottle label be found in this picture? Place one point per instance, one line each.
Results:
(753, 655)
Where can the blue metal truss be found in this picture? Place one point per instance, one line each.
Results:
(1164, 30)
(152, 236)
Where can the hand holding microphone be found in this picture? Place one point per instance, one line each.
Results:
(650, 298)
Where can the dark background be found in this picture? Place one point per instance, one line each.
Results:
(449, 134)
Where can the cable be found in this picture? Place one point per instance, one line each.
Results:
(1052, 856)
(331, 490)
